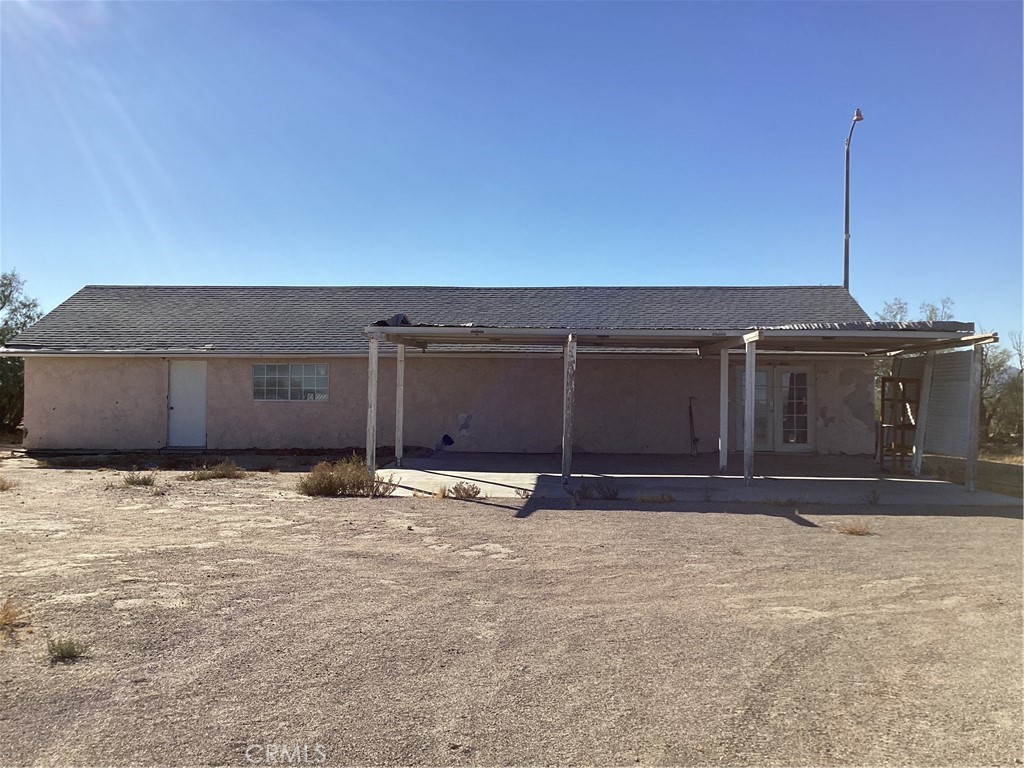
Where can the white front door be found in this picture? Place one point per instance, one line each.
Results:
(186, 404)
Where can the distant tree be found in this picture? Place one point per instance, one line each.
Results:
(894, 311)
(996, 376)
(17, 312)
(897, 311)
(933, 313)
(1007, 420)
(1001, 383)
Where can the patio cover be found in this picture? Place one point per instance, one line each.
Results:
(857, 339)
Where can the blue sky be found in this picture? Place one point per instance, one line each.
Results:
(535, 143)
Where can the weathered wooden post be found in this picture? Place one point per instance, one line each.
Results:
(569, 392)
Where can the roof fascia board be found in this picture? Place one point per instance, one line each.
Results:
(862, 334)
(604, 334)
(967, 341)
(6, 352)
(589, 352)
(474, 332)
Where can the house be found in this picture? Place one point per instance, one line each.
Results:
(598, 369)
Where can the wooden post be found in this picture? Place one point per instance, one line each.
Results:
(723, 410)
(399, 404)
(748, 412)
(922, 414)
(569, 393)
(371, 408)
(973, 417)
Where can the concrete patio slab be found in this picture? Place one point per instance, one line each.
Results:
(846, 480)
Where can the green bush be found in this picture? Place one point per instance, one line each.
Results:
(65, 650)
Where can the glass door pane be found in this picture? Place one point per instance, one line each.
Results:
(762, 410)
(794, 407)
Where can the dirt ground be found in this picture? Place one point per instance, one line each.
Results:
(229, 618)
(997, 472)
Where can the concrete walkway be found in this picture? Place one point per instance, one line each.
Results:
(842, 480)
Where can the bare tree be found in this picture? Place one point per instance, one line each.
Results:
(1006, 421)
(894, 311)
(933, 313)
(1001, 381)
(1017, 345)
(17, 312)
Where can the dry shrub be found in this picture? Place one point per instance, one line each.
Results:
(522, 493)
(12, 616)
(272, 469)
(6, 484)
(655, 498)
(66, 650)
(226, 469)
(855, 529)
(607, 490)
(790, 502)
(135, 477)
(348, 477)
(583, 493)
(464, 491)
(441, 493)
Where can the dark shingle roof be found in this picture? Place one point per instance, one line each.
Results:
(331, 319)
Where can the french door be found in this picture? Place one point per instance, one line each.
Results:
(783, 408)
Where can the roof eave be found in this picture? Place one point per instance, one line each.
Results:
(867, 341)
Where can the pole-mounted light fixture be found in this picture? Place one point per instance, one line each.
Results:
(857, 117)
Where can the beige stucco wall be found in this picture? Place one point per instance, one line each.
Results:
(235, 420)
(492, 404)
(484, 404)
(845, 412)
(106, 402)
(641, 405)
(623, 404)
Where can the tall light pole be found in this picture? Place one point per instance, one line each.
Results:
(857, 117)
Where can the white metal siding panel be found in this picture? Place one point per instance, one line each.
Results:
(948, 413)
(910, 367)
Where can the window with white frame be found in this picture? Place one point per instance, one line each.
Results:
(289, 381)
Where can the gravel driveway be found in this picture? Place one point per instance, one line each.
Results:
(236, 622)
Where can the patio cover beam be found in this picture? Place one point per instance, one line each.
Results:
(568, 396)
(750, 340)
(973, 417)
(723, 409)
(371, 406)
(982, 338)
(866, 341)
(720, 346)
(399, 404)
